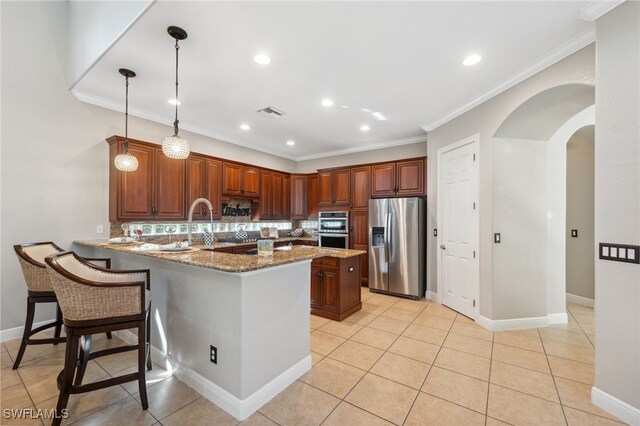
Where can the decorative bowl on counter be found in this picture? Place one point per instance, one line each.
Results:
(265, 247)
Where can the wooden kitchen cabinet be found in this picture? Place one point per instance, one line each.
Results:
(313, 196)
(360, 187)
(399, 178)
(156, 190)
(334, 187)
(335, 287)
(240, 180)
(299, 196)
(274, 195)
(359, 240)
(204, 181)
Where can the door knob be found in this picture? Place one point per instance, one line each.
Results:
(443, 247)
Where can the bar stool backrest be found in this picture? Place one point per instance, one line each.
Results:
(87, 293)
(31, 258)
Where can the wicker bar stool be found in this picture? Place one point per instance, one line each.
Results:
(31, 257)
(96, 300)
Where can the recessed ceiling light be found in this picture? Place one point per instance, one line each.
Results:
(174, 102)
(365, 128)
(345, 106)
(378, 115)
(327, 103)
(262, 59)
(365, 110)
(291, 143)
(245, 127)
(471, 60)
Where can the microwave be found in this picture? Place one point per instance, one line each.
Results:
(333, 222)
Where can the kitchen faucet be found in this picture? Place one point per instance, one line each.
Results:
(192, 208)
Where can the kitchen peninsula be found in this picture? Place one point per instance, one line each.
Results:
(234, 327)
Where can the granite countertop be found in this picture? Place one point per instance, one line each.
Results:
(229, 262)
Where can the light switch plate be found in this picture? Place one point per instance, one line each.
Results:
(496, 238)
(574, 233)
(619, 252)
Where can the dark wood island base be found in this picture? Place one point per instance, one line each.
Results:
(335, 287)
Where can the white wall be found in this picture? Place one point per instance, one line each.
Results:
(520, 216)
(93, 27)
(617, 203)
(485, 119)
(379, 155)
(580, 215)
(54, 156)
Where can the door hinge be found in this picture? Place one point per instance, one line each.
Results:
(474, 205)
(474, 303)
(474, 254)
(474, 157)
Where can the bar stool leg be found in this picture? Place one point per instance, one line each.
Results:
(85, 350)
(71, 357)
(142, 380)
(109, 336)
(31, 310)
(58, 329)
(148, 343)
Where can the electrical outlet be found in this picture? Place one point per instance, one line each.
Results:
(99, 229)
(213, 354)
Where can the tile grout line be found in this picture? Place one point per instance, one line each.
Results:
(554, 380)
(486, 408)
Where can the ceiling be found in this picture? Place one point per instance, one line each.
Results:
(403, 59)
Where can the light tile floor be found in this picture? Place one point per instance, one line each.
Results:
(395, 362)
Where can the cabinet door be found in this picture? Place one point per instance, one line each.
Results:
(250, 182)
(411, 177)
(359, 228)
(312, 196)
(383, 181)
(231, 174)
(298, 197)
(213, 187)
(330, 290)
(277, 197)
(360, 187)
(195, 166)
(169, 186)
(286, 197)
(364, 264)
(342, 186)
(135, 189)
(266, 195)
(316, 288)
(325, 193)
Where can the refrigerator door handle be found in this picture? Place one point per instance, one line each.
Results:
(386, 237)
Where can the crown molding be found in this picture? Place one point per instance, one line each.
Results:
(377, 145)
(564, 50)
(597, 8)
(108, 104)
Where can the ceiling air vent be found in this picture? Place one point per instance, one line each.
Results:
(270, 112)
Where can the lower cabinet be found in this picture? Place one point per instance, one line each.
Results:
(335, 287)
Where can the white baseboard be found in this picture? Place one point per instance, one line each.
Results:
(17, 332)
(519, 323)
(579, 300)
(238, 408)
(613, 405)
(432, 296)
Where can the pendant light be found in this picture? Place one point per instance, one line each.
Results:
(176, 146)
(126, 162)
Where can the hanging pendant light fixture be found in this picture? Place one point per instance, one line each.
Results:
(176, 146)
(126, 162)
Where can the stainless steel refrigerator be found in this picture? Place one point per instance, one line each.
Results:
(397, 236)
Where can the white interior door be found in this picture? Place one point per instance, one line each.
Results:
(457, 216)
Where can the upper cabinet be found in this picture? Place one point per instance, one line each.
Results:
(156, 190)
(204, 180)
(313, 195)
(299, 190)
(274, 195)
(360, 187)
(399, 178)
(334, 187)
(240, 180)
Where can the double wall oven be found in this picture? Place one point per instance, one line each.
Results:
(333, 229)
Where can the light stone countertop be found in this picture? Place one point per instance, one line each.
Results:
(230, 262)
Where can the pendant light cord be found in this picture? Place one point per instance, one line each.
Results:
(175, 123)
(126, 116)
